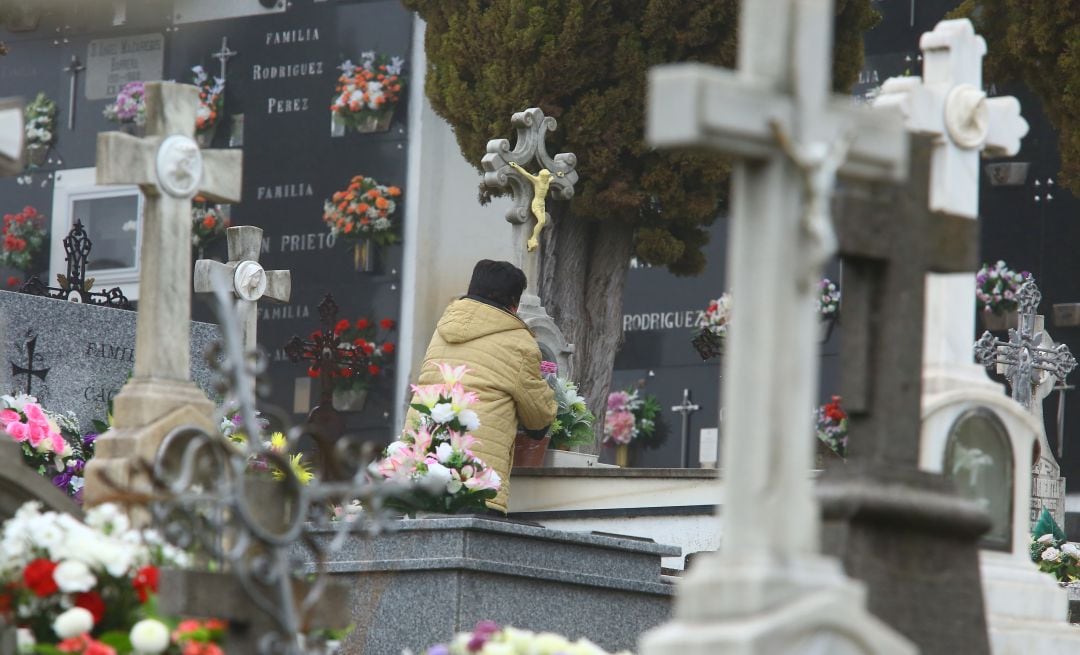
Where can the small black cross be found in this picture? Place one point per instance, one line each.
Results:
(75, 287)
(29, 371)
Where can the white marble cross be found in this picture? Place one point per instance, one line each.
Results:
(949, 103)
(250, 283)
(170, 169)
(780, 93)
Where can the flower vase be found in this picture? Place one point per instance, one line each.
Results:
(350, 400)
(825, 329)
(205, 137)
(134, 129)
(528, 452)
(622, 455)
(269, 503)
(999, 322)
(708, 344)
(364, 256)
(379, 122)
(36, 153)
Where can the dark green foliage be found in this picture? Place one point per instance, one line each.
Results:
(584, 62)
(1047, 525)
(1037, 42)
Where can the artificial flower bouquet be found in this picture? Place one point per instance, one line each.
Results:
(630, 416)
(24, 236)
(487, 638)
(40, 126)
(433, 461)
(828, 302)
(363, 211)
(208, 222)
(211, 99)
(129, 106)
(996, 288)
(1052, 552)
(831, 427)
(367, 93)
(51, 443)
(370, 353)
(89, 587)
(258, 464)
(709, 341)
(573, 425)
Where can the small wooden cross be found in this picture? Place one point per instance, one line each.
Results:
(250, 283)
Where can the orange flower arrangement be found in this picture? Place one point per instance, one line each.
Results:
(208, 222)
(363, 211)
(366, 95)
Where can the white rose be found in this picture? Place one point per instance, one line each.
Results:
(438, 476)
(25, 640)
(74, 622)
(149, 637)
(469, 420)
(444, 452)
(1051, 554)
(442, 413)
(1071, 549)
(73, 576)
(1045, 539)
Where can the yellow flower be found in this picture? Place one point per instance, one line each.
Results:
(278, 442)
(300, 468)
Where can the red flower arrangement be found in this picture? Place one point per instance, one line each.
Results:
(832, 426)
(208, 222)
(363, 210)
(24, 235)
(370, 354)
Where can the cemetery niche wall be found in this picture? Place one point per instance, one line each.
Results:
(281, 73)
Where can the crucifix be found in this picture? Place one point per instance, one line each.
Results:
(224, 55)
(249, 282)
(771, 526)
(75, 286)
(170, 170)
(686, 408)
(29, 371)
(1025, 361)
(325, 360)
(73, 69)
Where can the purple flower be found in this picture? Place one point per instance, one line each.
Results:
(89, 439)
(549, 367)
(486, 627)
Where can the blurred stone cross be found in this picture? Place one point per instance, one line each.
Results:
(249, 282)
(12, 136)
(507, 169)
(789, 137)
(1024, 360)
(170, 170)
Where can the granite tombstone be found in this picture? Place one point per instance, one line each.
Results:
(75, 357)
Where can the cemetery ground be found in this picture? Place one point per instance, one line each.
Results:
(213, 435)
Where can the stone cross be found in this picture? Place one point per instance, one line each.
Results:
(73, 69)
(12, 136)
(170, 170)
(751, 589)
(889, 240)
(1026, 363)
(686, 408)
(75, 287)
(250, 283)
(224, 55)
(505, 168)
(948, 103)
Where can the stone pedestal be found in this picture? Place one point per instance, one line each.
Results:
(455, 571)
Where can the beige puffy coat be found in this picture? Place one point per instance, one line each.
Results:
(504, 370)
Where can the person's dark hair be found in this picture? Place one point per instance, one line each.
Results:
(499, 282)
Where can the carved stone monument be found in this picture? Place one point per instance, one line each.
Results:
(506, 169)
(170, 169)
(769, 589)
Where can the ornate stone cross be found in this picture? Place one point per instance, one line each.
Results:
(1026, 362)
(505, 168)
(73, 69)
(781, 91)
(75, 287)
(243, 273)
(170, 170)
(224, 55)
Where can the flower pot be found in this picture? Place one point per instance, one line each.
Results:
(379, 122)
(350, 400)
(337, 128)
(205, 137)
(554, 458)
(622, 455)
(708, 344)
(999, 322)
(825, 329)
(825, 457)
(364, 256)
(133, 129)
(529, 453)
(36, 154)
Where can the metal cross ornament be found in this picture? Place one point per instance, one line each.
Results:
(686, 409)
(73, 69)
(75, 286)
(224, 55)
(505, 168)
(1025, 361)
